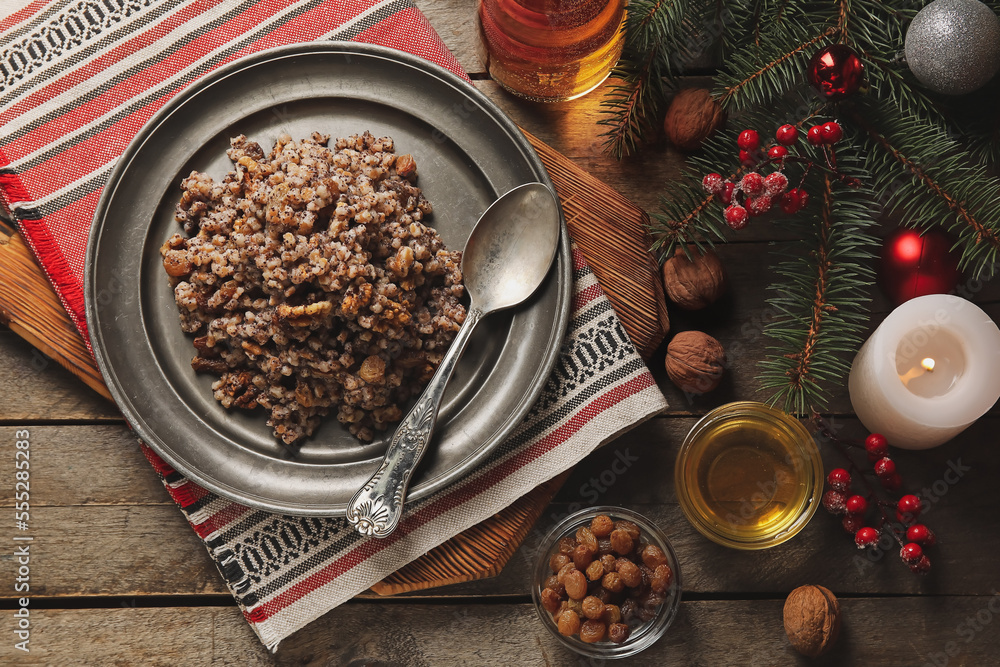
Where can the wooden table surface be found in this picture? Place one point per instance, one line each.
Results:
(118, 578)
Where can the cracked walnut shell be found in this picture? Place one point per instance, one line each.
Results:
(695, 362)
(812, 620)
(693, 283)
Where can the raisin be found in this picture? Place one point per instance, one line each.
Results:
(621, 542)
(663, 576)
(558, 561)
(601, 526)
(582, 556)
(551, 600)
(612, 614)
(565, 570)
(593, 608)
(595, 570)
(566, 545)
(576, 585)
(612, 581)
(628, 609)
(618, 632)
(569, 623)
(593, 631)
(609, 562)
(629, 527)
(653, 556)
(629, 572)
(553, 583)
(586, 538)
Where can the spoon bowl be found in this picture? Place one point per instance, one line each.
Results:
(506, 258)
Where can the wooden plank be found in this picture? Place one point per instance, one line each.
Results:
(899, 631)
(90, 476)
(36, 387)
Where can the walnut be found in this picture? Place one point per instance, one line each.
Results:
(693, 283)
(812, 620)
(693, 116)
(695, 362)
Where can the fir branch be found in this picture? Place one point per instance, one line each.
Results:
(930, 180)
(754, 79)
(821, 296)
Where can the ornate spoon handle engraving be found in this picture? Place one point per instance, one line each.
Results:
(375, 509)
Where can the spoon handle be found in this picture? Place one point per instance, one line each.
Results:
(375, 509)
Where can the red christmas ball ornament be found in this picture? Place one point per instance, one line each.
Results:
(836, 71)
(914, 264)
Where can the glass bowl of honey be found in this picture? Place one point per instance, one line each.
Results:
(748, 476)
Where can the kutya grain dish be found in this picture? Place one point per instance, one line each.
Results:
(312, 282)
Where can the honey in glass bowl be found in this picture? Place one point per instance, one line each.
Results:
(551, 50)
(748, 476)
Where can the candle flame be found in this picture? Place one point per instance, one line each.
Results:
(928, 364)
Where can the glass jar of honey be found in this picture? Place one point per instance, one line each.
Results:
(551, 50)
(748, 476)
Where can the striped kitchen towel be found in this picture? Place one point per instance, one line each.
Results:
(78, 78)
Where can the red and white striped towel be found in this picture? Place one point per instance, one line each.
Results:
(77, 81)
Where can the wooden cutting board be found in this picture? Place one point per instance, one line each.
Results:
(608, 229)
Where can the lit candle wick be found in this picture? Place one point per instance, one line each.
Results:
(928, 364)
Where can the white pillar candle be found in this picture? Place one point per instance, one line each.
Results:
(930, 370)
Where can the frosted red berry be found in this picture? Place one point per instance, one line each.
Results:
(758, 205)
(856, 505)
(815, 135)
(839, 479)
(922, 566)
(775, 183)
(834, 502)
(777, 152)
(885, 468)
(877, 446)
(748, 140)
(787, 134)
(752, 184)
(853, 523)
(831, 132)
(866, 537)
(909, 507)
(728, 188)
(920, 534)
(736, 217)
(713, 183)
(911, 552)
(803, 197)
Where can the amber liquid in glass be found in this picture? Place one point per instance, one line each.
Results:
(551, 50)
(744, 476)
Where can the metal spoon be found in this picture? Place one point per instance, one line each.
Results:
(505, 260)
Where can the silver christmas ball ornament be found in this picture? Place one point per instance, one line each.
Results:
(953, 46)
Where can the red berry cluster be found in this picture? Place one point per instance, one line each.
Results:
(839, 500)
(755, 194)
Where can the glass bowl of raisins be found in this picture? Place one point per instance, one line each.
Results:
(607, 583)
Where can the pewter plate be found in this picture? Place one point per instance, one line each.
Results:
(468, 153)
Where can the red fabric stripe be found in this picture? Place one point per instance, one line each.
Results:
(159, 465)
(585, 296)
(187, 494)
(579, 261)
(68, 287)
(457, 497)
(399, 29)
(21, 15)
(75, 76)
(220, 519)
(150, 77)
(89, 155)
